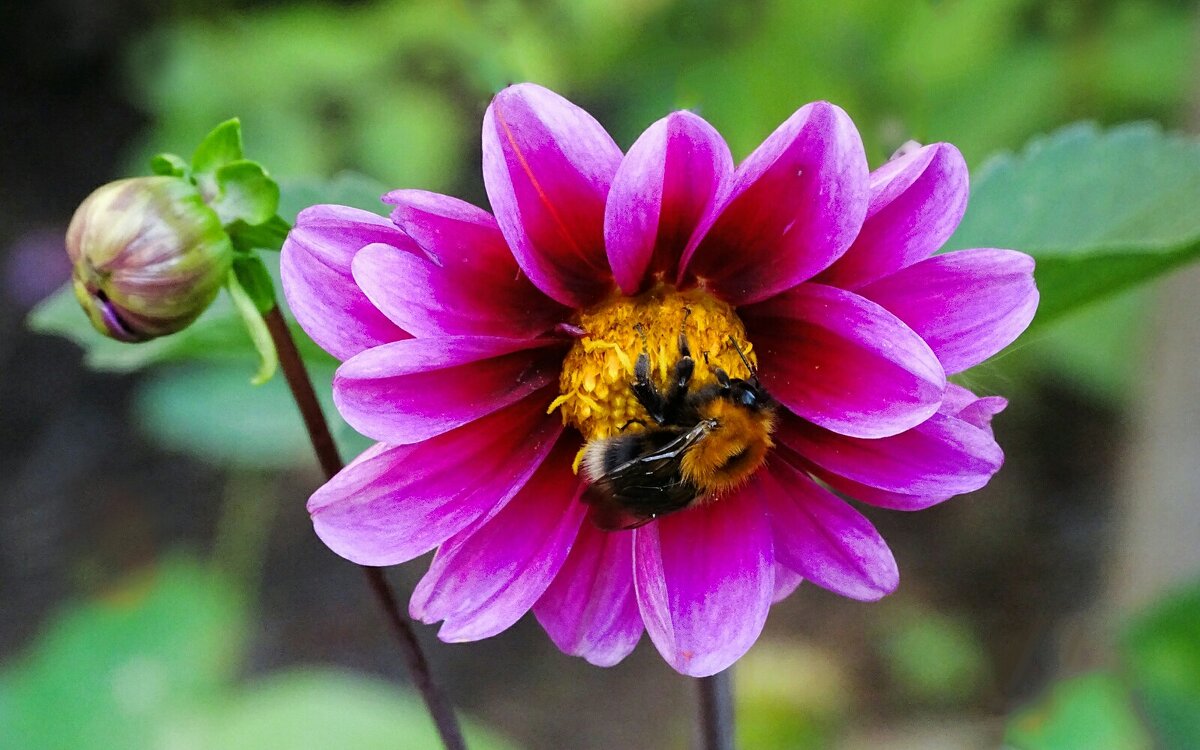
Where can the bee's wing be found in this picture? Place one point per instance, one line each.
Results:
(646, 486)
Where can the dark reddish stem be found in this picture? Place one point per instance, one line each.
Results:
(331, 463)
(716, 711)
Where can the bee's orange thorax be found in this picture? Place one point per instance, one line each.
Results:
(734, 449)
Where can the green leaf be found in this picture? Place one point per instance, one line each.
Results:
(210, 411)
(345, 189)
(244, 192)
(1099, 210)
(168, 165)
(221, 146)
(248, 308)
(266, 236)
(317, 709)
(1092, 712)
(255, 280)
(1161, 651)
(118, 671)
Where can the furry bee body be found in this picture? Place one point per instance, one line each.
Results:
(703, 442)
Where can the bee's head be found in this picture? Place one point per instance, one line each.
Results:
(748, 393)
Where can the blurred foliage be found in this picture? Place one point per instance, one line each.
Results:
(1162, 658)
(395, 88)
(1092, 712)
(1152, 701)
(934, 658)
(152, 665)
(790, 694)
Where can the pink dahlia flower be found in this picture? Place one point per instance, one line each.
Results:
(484, 350)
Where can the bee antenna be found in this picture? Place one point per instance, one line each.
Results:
(753, 370)
(641, 329)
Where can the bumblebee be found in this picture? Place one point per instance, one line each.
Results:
(703, 442)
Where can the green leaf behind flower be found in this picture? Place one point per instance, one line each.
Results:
(345, 188)
(1100, 210)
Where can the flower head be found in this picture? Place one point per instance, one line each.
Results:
(486, 353)
(149, 256)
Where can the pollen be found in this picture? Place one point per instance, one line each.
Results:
(596, 398)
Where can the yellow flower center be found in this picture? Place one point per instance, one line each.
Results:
(598, 371)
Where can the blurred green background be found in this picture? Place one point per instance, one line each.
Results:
(161, 584)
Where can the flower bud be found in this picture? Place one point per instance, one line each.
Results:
(149, 256)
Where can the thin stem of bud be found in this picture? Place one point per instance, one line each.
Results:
(331, 463)
(716, 711)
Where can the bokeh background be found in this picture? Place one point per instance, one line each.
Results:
(160, 585)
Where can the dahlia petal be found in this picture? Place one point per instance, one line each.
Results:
(967, 305)
(547, 168)
(704, 580)
(394, 503)
(429, 300)
(942, 457)
(917, 201)
(590, 609)
(660, 192)
(824, 539)
(786, 582)
(872, 495)
(980, 412)
(487, 577)
(791, 209)
(320, 290)
(844, 362)
(409, 391)
(452, 232)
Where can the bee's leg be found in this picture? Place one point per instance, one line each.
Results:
(722, 378)
(645, 391)
(677, 395)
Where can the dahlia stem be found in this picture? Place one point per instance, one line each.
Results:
(716, 711)
(331, 463)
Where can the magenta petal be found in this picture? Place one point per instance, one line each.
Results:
(844, 362)
(659, 194)
(872, 495)
(394, 503)
(791, 208)
(411, 390)
(959, 404)
(590, 610)
(917, 201)
(429, 300)
(485, 578)
(547, 167)
(320, 290)
(452, 232)
(941, 457)
(786, 582)
(967, 305)
(705, 579)
(824, 539)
